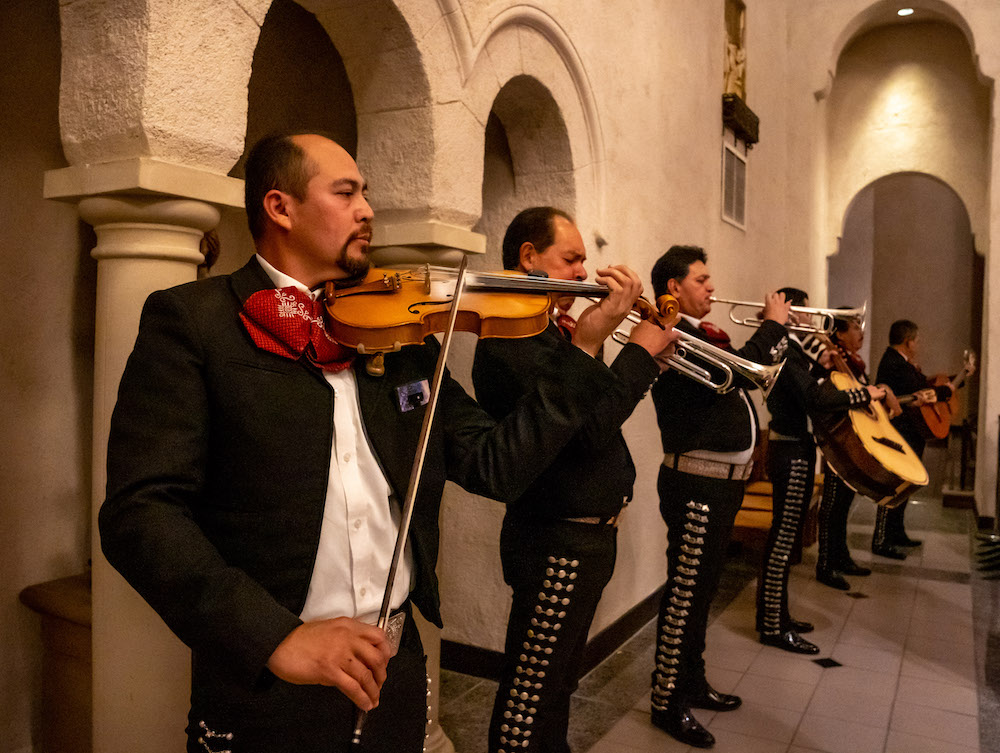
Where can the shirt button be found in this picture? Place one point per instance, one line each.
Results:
(347, 457)
(357, 523)
(364, 591)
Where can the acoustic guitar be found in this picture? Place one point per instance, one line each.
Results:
(864, 448)
(937, 416)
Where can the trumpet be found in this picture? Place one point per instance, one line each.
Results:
(817, 320)
(730, 364)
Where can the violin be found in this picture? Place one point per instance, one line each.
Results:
(390, 309)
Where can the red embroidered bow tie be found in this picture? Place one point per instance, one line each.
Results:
(716, 336)
(289, 323)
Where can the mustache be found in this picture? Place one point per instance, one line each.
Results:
(363, 234)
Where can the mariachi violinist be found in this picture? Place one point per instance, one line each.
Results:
(255, 471)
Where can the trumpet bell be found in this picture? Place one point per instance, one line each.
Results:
(694, 357)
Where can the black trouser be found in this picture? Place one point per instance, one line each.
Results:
(557, 570)
(834, 510)
(699, 514)
(889, 526)
(792, 468)
(317, 719)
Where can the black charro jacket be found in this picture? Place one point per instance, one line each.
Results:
(798, 395)
(694, 417)
(218, 461)
(594, 472)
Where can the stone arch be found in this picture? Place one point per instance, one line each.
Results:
(905, 237)
(384, 53)
(894, 107)
(522, 43)
(877, 14)
(157, 81)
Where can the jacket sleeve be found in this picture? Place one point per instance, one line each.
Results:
(543, 392)
(156, 479)
(764, 344)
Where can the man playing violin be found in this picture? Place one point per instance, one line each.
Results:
(255, 471)
(708, 440)
(558, 539)
(899, 370)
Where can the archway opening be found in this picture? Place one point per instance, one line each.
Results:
(908, 249)
(526, 160)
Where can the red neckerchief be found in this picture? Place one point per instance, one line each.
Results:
(715, 336)
(289, 323)
(566, 325)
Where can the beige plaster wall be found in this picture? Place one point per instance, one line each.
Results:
(643, 118)
(47, 284)
(658, 101)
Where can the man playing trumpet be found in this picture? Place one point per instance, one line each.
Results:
(708, 438)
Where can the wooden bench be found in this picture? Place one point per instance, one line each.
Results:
(753, 521)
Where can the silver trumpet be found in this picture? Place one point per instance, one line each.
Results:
(809, 320)
(691, 348)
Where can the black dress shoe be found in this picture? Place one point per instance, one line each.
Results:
(713, 700)
(679, 724)
(889, 551)
(833, 579)
(789, 640)
(800, 626)
(853, 568)
(904, 540)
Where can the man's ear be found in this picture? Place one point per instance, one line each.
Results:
(276, 207)
(673, 287)
(527, 256)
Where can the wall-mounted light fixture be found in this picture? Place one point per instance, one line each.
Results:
(904, 12)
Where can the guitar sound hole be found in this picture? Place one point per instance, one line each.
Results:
(889, 443)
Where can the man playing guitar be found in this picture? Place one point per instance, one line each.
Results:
(898, 369)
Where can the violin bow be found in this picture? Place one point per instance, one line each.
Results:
(394, 631)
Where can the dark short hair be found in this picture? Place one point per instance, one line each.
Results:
(842, 325)
(534, 226)
(901, 331)
(795, 296)
(275, 161)
(674, 265)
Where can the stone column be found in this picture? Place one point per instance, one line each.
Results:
(149, 218)
(407, 245)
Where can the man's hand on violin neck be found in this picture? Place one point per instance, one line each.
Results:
(597, 322)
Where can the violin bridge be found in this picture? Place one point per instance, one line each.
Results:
(427, 279)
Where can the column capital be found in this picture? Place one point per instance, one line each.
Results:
(148, 227)
(143, 176)
(427, 241)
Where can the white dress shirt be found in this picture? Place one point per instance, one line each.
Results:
(360, 523)
(740, 457)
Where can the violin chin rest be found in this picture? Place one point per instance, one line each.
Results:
(375, 364)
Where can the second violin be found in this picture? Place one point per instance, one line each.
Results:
(393, 308)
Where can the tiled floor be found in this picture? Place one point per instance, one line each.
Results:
(918, 663)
